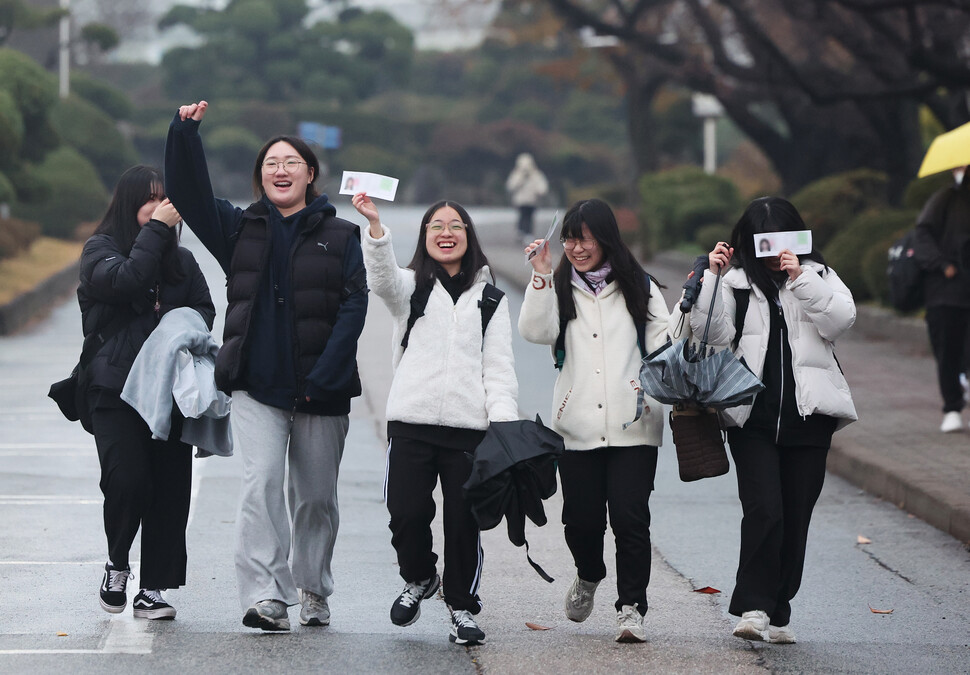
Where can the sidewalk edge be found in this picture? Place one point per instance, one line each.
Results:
(34, 303)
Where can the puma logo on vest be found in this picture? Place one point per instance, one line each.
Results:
(324, 244)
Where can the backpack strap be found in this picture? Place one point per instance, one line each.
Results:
(491, 296)
(419, 300)
(741, 298)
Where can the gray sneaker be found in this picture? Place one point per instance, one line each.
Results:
(753, 626)
(579, 599)
(781, 635)
(268, 615)
(315, 610)
(629, 625)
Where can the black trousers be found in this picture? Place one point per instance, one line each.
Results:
(948, 336)
(618, 480)
(413, 469)
(525, 219)
(778, 487)
(145, 483)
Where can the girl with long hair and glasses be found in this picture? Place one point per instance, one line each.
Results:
(603, 313)
(453, 374)
(297, 297)
(792, 309)
(133, 272)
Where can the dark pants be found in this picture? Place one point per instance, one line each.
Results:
(778, 487)
(525, 219)
(145, 483)
(413, 468)
(948, 337)
(618, 479)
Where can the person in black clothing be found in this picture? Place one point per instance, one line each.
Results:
(132, 273)
(297, 297)
(797, 307)
(942, 231)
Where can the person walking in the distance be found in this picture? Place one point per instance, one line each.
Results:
(792, 309)
(527, 185)
(297, 297)
(942, 232)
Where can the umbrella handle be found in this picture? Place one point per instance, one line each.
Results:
(710, 313)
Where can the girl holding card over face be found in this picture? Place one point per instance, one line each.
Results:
(791, 309)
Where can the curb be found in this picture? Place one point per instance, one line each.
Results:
(33, 303)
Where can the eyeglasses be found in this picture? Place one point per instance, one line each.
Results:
(440, 225)
(569, 243)
(289, 166)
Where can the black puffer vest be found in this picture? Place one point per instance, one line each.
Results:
(317, 290)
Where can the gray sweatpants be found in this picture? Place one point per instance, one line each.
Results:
(262, 435)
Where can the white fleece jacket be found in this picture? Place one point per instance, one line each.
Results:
(596, 391)
(448, 376)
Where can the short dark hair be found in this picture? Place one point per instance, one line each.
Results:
(302, 149)
(424, 265)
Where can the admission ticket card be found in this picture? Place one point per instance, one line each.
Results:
(772, 243)
(374, 184)
(545, 239)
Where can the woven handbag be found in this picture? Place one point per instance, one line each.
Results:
(699, 442)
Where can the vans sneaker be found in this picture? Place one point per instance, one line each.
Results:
(407, 608)
(952, 421)
(464, 630)
(629, 625)
(753, 626)
(315, 610)
(579, 599)
(114, 599)
(268, 615)
(781, 635)
(149, 604)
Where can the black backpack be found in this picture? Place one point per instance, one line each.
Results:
(905, 275)
(491, 296)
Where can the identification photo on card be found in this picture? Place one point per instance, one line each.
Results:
(374, 184)
(773, 243)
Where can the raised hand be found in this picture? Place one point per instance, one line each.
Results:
(368, 209)
(165, 212)
(194, 110)
(789, 262)
(720, 256)
(541, 261)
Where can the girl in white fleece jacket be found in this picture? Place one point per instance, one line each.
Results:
(449, 382)
(599, 297)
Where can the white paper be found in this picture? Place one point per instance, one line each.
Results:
(773, 243)
(545, 239)
(374, 184)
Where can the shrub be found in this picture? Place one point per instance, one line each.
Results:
(708, 235)
(829, 204)
(16, 236)
(920, 190)
(873, 264)
(677, 202)
(11, 130)
(8, 194)
(93, 134)
(34, 90)
(233, 146)
(111, 100)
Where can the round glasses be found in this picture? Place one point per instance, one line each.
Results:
(440, 225)
(289, 166)
(569, 243)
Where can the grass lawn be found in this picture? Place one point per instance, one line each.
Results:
(45, 258)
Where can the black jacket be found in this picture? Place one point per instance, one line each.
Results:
(127, 288)
(942, 232)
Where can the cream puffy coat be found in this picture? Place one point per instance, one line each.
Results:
(818, 308)
(448, 376)
(596, 391)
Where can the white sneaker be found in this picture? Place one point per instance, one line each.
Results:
(315, 610)
(753, 626)
(579, 599)
(952, 421)
(781, 635)
(629, 625)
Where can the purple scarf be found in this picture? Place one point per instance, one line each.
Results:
(594, 280)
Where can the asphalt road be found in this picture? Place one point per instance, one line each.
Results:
(53, 550)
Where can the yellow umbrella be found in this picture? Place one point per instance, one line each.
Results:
(947, 151)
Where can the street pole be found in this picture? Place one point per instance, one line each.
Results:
(64, 79)
(708, 108)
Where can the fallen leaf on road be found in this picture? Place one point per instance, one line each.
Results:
(61, 634)
(863, 540)
(706, 589)
(535, 626)
(880, 611)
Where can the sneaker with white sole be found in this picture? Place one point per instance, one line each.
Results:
(407, 608)
(952, 421)
(113, 596)
(149, 604)
(781, 635)
(629, 625)
(753, 626)
(315, 610)
(579, 599)
(267, 615)
(464, 630)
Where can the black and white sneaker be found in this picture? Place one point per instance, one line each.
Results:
(407, 608)
(149, 604)
(113, 596)
(464, 630)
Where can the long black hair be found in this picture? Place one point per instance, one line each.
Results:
(303, 150)
(627, 271)
(137, 186)
(766, 214)
(424, 265)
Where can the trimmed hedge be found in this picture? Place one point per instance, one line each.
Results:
(829, 204)
(16, 236)
(93, 134)
(676, 203)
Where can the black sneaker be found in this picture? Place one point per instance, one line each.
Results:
(407, 608)
(151, 605)
(464, 630)
(113, 596)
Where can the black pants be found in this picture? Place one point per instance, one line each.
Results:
(413, 469)
(525, 219)
(621, 480)
(948, 337)
(145, 483)
(778, 487)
